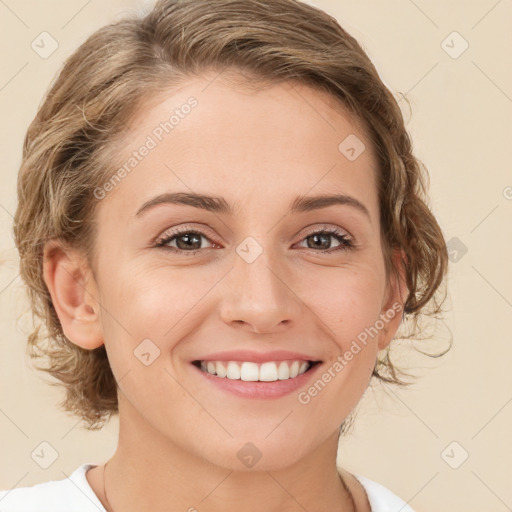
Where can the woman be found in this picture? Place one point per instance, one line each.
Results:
(222, 224)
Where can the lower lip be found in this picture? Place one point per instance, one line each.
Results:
(264, 390)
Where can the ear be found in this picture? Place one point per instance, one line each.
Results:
(396, 295)
(74, 294)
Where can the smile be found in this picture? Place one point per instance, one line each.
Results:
(248, 371)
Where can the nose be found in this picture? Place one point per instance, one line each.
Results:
(259, 296)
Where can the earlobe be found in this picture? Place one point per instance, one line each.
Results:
(73, 292)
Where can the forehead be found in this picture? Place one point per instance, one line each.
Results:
(270, 142)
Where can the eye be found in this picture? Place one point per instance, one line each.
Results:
(189, 241)
(185, 240)
(321, 240)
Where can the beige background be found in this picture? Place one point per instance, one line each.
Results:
(461, 127)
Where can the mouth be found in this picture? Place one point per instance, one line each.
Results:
(249, 371)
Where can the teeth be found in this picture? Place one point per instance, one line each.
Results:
(268, 372)
(233, 371)
(284, 371)
(248, 371)
(221, 369)
(303, 367)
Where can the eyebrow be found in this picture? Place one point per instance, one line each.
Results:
(220, 205)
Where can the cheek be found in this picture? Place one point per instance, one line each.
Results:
(148, 311)
(347, 300)
(162, 303)
(149, 302)
(347, 306)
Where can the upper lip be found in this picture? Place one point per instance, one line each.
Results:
(257, 357)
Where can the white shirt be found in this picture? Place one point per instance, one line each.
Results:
(74, 494)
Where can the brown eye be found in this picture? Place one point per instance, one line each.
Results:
(188, 241)
(322, 240)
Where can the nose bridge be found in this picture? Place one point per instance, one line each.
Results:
(258, 267)
(259, 292)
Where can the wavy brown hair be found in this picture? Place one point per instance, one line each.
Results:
(69, 150)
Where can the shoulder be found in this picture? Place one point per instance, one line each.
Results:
(381, 499)
(72, 494)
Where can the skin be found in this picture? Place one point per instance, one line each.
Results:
(179, 435)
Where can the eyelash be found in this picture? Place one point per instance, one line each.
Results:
(345, 242)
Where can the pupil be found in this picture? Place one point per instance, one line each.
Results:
(191, 239)
(325, 238)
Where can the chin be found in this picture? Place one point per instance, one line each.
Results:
(257, 455)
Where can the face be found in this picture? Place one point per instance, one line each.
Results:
(257, 275)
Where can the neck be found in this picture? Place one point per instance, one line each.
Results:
(156, 474)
